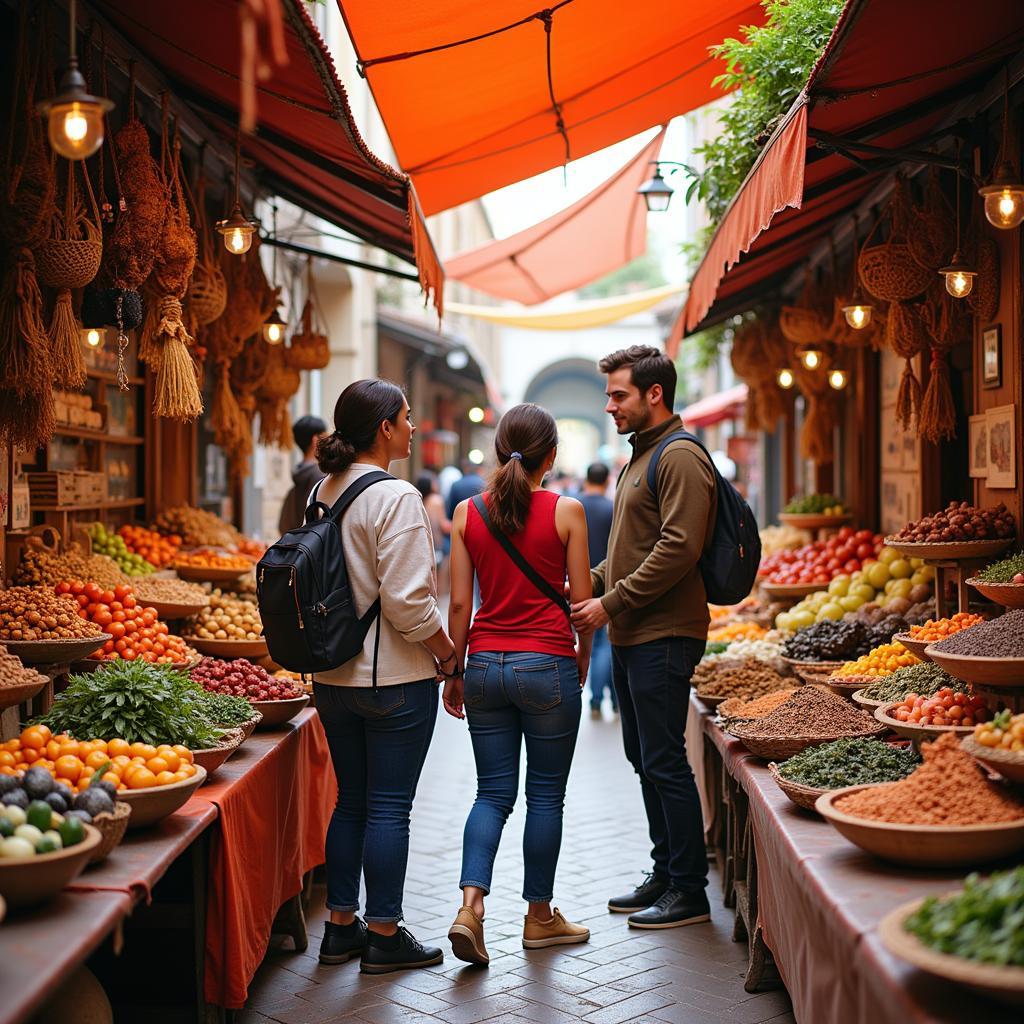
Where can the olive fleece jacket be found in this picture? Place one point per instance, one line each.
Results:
(650, 584)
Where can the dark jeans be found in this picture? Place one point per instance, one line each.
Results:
(378, 742)
(600, 678)
(509, 696)
(653, 684)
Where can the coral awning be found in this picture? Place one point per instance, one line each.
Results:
(476, 96)
(306, 147)
(892, 76)
(602, 231)
(724, 405)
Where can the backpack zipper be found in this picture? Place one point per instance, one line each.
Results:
(295, 594)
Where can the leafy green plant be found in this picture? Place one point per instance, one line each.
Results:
(224, 709)
(768, 67)
(135, 701)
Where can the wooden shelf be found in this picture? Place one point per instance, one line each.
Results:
(111, 378)
(85, 434)
(102, 507)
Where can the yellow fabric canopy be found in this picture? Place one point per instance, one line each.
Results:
(595, 313)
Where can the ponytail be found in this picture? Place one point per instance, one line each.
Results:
(525, 437)
(362, 407)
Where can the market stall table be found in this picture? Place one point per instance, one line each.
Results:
(819, 903)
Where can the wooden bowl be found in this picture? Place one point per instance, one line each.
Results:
(168, 610)
(953, 550)
(208, 574)
(247, 728)
(1004, 762)
(277, 712)
(973, 669)
(843, 686)
(112, 827)
(11, 696)
(911, 730)
(778, 748)
(151, 805)
(785, 591)
(229, 648)
(824, 668)
(867, 703)
(802, 796)
(950, 846)
(1005, 984)
(26, 881)
(813, 520)
(55, 652)
(711, 702)
(213, 757)
(916, 647)
(1009, 595)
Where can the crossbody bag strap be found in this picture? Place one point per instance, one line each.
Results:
(521, 563)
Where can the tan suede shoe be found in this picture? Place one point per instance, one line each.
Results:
(467, 937)
(556, 932)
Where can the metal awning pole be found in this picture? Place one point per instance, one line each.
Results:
(319, 254)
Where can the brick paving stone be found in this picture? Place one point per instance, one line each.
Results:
(674, 976)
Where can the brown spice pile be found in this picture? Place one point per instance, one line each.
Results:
(14, 673)
(811, 711)
(35, 613)
(947, 789)
(747, 678)
(737, 707)
(41, 568)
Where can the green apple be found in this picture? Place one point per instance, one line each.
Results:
(901, 569)
(878, 575)
(832, 610)
(801, 620)
(887, 555)
(839, 586)
(784, 621)
(851, 602)
(900, 588)
(863, 590)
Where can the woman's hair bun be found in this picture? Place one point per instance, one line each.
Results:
(334, 454)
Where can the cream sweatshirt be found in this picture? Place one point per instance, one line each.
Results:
(389, 552)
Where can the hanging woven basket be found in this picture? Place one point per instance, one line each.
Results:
(889, 271)
(984, 298)
(933, 234)
(70, 262)
(310, 349)
(208, 293)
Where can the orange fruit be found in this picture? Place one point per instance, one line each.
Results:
(33, 737)
(180, 775)
(189, 769)
(165, 778)
(87, 773)
(97, 759)
(30, 755)
(120, 762)
(7, 759)
(52, 750)
(45, 730)
(13, 745)
(183, 752)
(157, 765)
(142, 778)
(70, 747)
(112, 777)
(68, 767)
(117, 747)
(143, 750)
(138, 759)
(172, 759)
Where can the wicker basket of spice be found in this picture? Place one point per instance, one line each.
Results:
(802, 796)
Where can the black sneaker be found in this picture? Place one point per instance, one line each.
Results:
(643, 896)
(342, 942)
(398, 952)
(673, 910)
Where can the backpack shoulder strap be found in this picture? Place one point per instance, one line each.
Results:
(317, 509)
(676, 435)
(520, 562)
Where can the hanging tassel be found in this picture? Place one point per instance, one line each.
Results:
(908, 398)
(938, 415)
(66, 365)
(26, 419)
(177, 389)
(229, 424)
(24, 346)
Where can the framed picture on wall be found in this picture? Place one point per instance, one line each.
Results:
(991, 357)
(977, 444)
(1002, 446)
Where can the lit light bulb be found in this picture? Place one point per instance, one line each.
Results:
(74, 118)
(785, 379)
(93, 337)
(858, 316)
(811, 358)
(237, 231)
(959, 284)
(274, 328)
(837, 379)
(274, 333)
(475, 456)
(75, 124)
(237, 241)
(476, 414)
(1004, 198)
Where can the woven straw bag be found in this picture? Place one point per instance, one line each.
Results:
(984, 298)
(310, 348)
(932, 238)
(888, 270)
(207, 293)
(71, 256)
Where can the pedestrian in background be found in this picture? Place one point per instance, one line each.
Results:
(652, 593)
(524, 674)
(440, 524)
(598, 509)
(470, 483)
(306, 431)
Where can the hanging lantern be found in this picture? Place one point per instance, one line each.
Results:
(74, 117)
(838, 379)
(274, 328)
(657, 192)
(237, 230)
(959, 274)
(785, 378)
(93, 337)
(811, 356)
(858, 316)
(1004, 197)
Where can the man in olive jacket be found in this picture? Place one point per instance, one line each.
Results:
(650, 592)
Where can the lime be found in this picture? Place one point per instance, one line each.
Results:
(40, 814)
(6, 828)
(72, 831)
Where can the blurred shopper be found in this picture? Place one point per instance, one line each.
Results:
(306, 431)
(651, 591)
(598, 509)
(378, 710)
(440, 524)
(524, 674)
(470, 483)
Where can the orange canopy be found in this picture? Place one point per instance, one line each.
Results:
(479, 95)
(597, 234)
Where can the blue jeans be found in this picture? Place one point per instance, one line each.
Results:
(653, 683)
(378, 742)
(509, 696)
(600, 677)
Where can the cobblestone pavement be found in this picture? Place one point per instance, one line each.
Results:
(688, 975)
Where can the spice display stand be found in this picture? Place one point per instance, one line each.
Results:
(11, 718)
(955, 572)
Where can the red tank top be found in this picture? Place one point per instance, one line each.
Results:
(514, 615)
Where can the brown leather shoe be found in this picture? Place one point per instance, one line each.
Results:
(556, 932)
(467, 937)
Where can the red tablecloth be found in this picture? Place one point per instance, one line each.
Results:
(275, 798)
(820, 901)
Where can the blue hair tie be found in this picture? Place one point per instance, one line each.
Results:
(518, 456)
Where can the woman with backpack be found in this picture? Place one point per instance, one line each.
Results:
(524, 675)
(378, 709)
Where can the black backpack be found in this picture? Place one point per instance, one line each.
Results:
(309, 618)
(729, 565)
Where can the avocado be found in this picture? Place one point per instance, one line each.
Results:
(56, 801)
(16, 798)
(9, 782)
(38, 782)
(95, 801)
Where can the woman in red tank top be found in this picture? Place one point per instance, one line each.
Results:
(524, 673)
